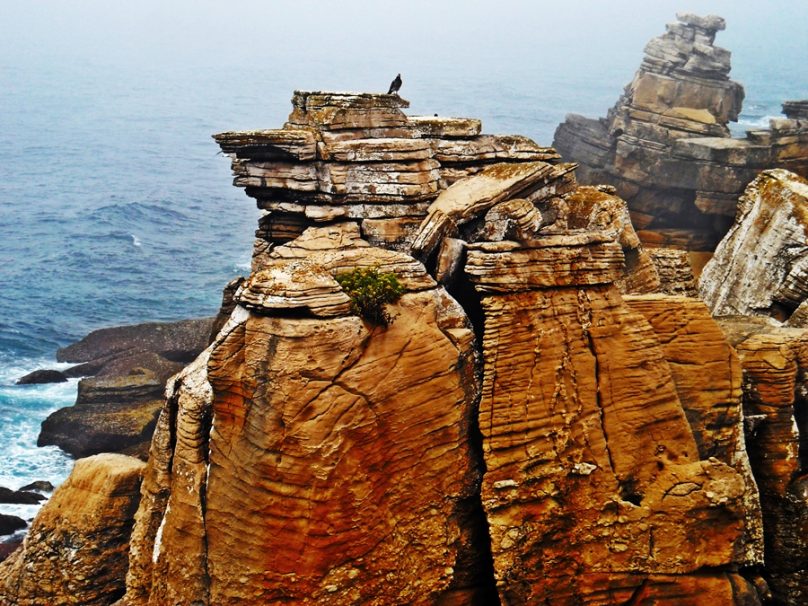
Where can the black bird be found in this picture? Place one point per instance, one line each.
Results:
(395, 85)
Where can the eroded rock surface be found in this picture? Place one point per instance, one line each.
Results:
(666, 144)
(761, 266)
(358, 157)
(594, 478)
(76, 549)
(335, 457)
(775, 364)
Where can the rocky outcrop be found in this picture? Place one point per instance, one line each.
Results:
(116, 409)
(534, 439)
(358, 157)
(38, 377)
(775, 364)
(666, 146)
(335, 458)
(76, 549)
(761, 266)
(594, 478)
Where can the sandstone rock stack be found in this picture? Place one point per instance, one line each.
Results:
(522, 432)
(310, 458)
(666, 146)
(358, 157)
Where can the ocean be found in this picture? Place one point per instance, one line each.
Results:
(116, 207)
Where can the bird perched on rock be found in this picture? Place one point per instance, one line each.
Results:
(395, 85)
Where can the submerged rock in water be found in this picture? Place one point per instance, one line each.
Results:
(38, 377)
(20, 497)
(10, 524)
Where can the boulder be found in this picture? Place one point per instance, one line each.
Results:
(38, 486)
(75, 551)
(19, 497)
(761, 266)
(10, 524)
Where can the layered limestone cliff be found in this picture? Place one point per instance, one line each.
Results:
(666, 146)
(775, 364)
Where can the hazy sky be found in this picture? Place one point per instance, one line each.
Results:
(361, 44)
(346, 30)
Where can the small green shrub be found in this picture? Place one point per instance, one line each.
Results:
(370, 291)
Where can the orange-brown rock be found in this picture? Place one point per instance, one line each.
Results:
(593, 478)
(311, 458)
(775, 364)
(76, 549)
(597, 208)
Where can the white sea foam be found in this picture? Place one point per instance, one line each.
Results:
(756, 122)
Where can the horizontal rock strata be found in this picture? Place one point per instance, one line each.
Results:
(593, 476)
(127, 367)
(359, 157)
(666, 146)
(76, 549)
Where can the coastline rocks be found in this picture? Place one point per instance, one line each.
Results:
(666, 146)
(593, 476)
(75, 551)
(38, 377)
(20, 497)
(11, 524)
(761, 265)
(116, 409)
(335, 457)
(775, 364)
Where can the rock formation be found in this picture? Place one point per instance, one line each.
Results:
(761, 266)
(126, 368)
(666, 146)
(76, 549)
(335, 458)
(775, 363)
(358, 157)
(520, 433)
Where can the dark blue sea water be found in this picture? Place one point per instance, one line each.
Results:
(116, 208)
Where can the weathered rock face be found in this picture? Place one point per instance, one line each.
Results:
(308, 457)
(595, 489)
(761, 266)
(335, 458)
(116, 409)
(775, 364)
(76, 549)
(665, 145)
(358, 157)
